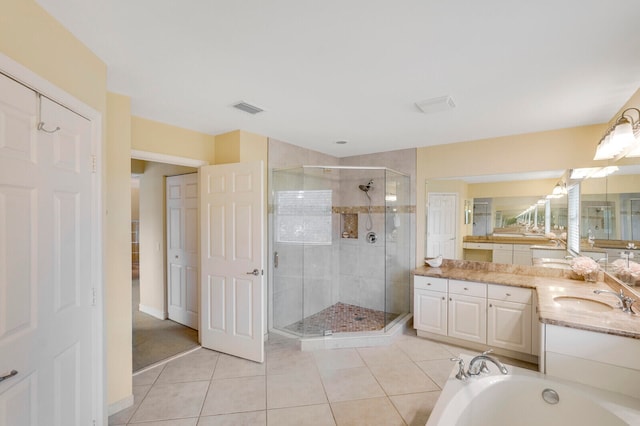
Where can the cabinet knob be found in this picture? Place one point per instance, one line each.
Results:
(508, 294)
(450, 299)
(466, 289)
(442, 297)
(428, 283)
(490, 305)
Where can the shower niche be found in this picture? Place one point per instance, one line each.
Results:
(332, 278)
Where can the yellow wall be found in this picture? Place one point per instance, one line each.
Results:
(118, 247)
(153, 136)
(228, 147)
(520, 188)
(30, 36)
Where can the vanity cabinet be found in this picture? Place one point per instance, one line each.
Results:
(467, 316)
(503, 253)
(522, 255)
(430, 305)
(509, 318)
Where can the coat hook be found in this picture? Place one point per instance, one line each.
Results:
(41, 127)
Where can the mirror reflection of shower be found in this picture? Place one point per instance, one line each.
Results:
(366, 188)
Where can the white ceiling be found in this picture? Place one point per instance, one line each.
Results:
(352, 70)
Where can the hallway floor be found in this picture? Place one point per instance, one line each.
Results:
(155, 340)
(392, 385)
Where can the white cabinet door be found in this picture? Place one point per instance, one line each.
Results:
(430, 311)
(467, 317)
(503, 256)
(522, 255)
(509, 325)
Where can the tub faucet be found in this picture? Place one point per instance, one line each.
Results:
(461, 374)
(479, 364)
(625, 301)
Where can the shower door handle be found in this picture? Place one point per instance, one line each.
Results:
(276, 259)
(255, 272)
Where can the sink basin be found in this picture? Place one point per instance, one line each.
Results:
(582, 304)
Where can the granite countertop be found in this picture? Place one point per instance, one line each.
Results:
(549, 284)
(506, 240)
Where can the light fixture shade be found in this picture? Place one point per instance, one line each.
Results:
(635, 151)
(606, 149)
(557, 190)
(623, 135)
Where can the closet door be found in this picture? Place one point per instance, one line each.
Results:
(46, 295)
(182, 249)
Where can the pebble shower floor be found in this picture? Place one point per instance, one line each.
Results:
(342, 318)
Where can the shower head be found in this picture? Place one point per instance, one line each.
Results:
(368, 187)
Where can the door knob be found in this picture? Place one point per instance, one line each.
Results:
(8, 375)
(255, 272)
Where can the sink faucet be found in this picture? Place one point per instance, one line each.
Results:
(625, 301)
(478, 364)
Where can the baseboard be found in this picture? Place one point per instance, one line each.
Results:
(120, 405)
(153, 312)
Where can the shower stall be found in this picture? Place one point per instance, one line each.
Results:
(340, 250)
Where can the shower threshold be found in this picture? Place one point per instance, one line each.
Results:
(346, 326)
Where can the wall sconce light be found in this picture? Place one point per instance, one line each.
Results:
(560, 189)
(467, 212)
(620, 139)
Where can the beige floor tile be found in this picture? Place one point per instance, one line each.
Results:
(235, 395)
(251, 418)
(415, 408)
(172, 401)
(370, 412)
(419, 349)
(123, 416)
(350, 383)
(401, 378)
(332, 359)
(382, 355)
(148, 377)
(196, 366)
(230, 366)
(294, 389)
(310, 415)
(290, 361)
(177, 422)
(438, 370)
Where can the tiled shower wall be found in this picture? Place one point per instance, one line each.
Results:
(349, 270)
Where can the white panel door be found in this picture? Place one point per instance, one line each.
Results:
(231, 228)
(441, 225)
(182, 249)
(46, 297)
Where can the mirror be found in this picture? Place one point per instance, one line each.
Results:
(466, 215)
(610, 215)
(494, 206)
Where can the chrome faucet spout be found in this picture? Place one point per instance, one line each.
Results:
(626, 302)
(478, 364)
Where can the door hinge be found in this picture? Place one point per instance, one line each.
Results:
(261, 271)
(94, 164)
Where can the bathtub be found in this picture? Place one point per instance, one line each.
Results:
(516, 399)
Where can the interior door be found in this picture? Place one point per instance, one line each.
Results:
(232, 289)
(46, 294)
(441, 225)
(182, 249)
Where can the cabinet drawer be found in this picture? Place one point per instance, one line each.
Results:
(503, 246)
(429, 283)
(478, 246)
(469, 288)
(522, 247)
(509, 294)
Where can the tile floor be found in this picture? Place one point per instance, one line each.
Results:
(393, 385)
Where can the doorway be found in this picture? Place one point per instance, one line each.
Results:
(155, 337)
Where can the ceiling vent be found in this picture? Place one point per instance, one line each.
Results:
(251, 109)
(432, 105)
